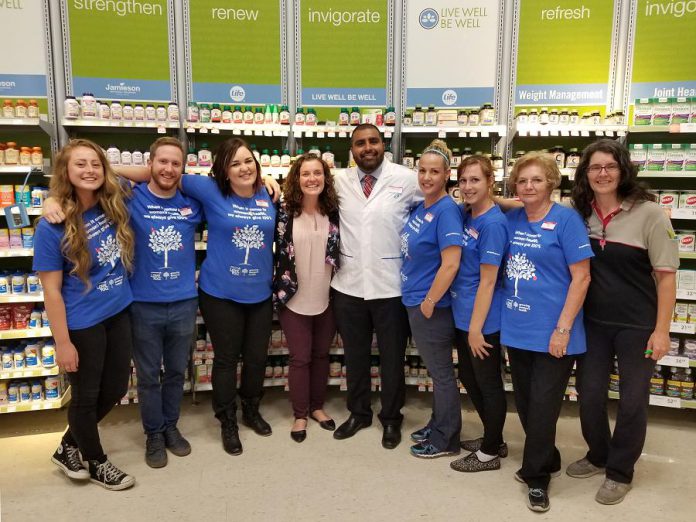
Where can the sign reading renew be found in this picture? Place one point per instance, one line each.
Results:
(564, 52)
(120, 50)
(344, 52)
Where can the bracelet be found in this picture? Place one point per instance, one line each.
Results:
(562, 331)
(430, 300)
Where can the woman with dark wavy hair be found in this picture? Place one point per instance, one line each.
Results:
(628, 310)
(307, 256)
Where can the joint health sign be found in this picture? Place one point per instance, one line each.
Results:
(564, 52)
(343, 52)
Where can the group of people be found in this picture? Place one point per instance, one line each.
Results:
(557, 285)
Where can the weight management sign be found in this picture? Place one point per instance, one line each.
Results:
(435, 75)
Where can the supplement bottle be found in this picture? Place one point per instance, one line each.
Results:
(275, 114)
(275, 158)
(259, 116)
(456, 158)
(574, 117)
(71, 109)
(408, 119)
(408, 159)
(355, 116)
(544, 116)
(205, 157)
(113, 155)
(255, 152)
(474, 118)
(128, 112)
(116, 111)
(487, 114)
(192, 112)
(267, 114)
(265, 160)
(216, 113)
(314, 149)
(554, 118)
(204, 113)
(614, 378)
(564, 117)
(138, 112)
(418, 116)
(104, 111)
(11, 154)
(328, 156)
(390, 117)
(284, 115)
(311, 118)
(522, 117)
(192, 157)
(463, 118)
(559, 155)
(137, 158)
(285, 158)
(33, 109)
(431, 116)
(673, 388)
(227, 114)
(126, 157)
(150, 113)
(88, 105)
(572, 159)
(8, 110)
(247, 116)
(344, 117)
(25, 156)
(687, 385)
(161, 113)
(533, 117)
(173, 112)
(21, 109)
(300, 116)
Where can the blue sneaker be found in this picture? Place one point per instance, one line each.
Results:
(425, 450)
(421, 435)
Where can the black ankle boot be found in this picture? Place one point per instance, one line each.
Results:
(252, 418)
(230, 437)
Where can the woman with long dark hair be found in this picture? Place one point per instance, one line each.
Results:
(628, 310)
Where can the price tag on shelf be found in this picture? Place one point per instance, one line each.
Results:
(127, 123)
(190, 130)
(342, 134)
(473, 134)
(544, 132)
(574, 133)
(533, 133)
(462, 134)
(214, 130)
(116, 123)
(258, 132)
(388, 134)
(620, 133)
(671, 360)
(309, 133)
(485, 134)
(202, 130)
(663, 400)
(268, 133)
(421, 387)
(161, 130)
(11, 409)
(441, 133)
(15, 375)
(565, 133)
(682, 328)
(687, 127)
(320, 134)
(584, 133)
(686, 294)
(237, 132)
(36, 406)
(609, 134)
(331, 134)
(599, 133)
(283, 133)
(553, 132)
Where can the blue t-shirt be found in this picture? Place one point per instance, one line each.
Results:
(165, 255)
(239, 261)
(427, 232)
(537, 278)
(110, 292)
(484, 242)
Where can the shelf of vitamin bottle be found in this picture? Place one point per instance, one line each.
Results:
(333, 131)
(24, 169)
(478, 131)
(16, 252)
(159, 126)
(677, 361)
(28, 333)
(27, 124)
(685, 328)
(29, 372)
(276, 172)
(239, 129)
(37, 405)
(682, 213)
(583, 130)
(667, 174)
(21, 298)
(676, 128)
(663, 400)
(687, 295)
(687, 255)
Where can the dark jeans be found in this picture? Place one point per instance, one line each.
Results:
(620, 452)
(434, 339)
(101, 380)
(236, 329)
(309, 337)
(162, 336)
(357, 318)
(483, 381)
(540, 381)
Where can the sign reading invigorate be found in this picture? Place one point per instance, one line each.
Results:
(119, 50)
(564, 52)
(23, 65)
(235, 50)
(435, 76)
(344, 52)
(664, 51)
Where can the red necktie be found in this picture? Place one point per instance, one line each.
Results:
(368, 181)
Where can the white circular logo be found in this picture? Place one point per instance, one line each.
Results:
(237, 93)
(428, 18)
(449, 97)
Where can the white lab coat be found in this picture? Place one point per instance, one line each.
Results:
(370, 230)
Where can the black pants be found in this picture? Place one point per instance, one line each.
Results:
(357, 318)
(101, 380)
(236, 329)
(620, 452)
(540, 382)
(484, 384)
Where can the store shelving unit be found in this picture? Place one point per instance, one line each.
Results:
(45, 404)
(96, 125)
(238, 129)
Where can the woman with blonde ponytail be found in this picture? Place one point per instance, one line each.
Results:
(83, 265)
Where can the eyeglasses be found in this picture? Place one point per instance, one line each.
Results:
(612, 168)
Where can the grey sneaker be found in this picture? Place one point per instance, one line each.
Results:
(155, 452)
(471, 464)
(583, 468)
(519, 478)
(612, 492)
(176, 443)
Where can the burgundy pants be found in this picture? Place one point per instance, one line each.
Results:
(309, 337)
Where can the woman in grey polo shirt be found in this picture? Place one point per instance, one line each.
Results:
(628, 310)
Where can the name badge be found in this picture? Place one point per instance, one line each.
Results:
(186, 211)
(472, 232)
(396, 190)
(262, 203)
(428, 217)
(548, 225)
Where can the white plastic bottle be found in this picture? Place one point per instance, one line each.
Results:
(113, 155)
(328, 156)
(71, 108)
(205, 157)
(89, 106)
(265, 158)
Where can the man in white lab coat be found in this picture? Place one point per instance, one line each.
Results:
(374, 203)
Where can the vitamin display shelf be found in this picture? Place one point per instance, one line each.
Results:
(689, 295)
(22, 298)
(663, 400)
(23, 169)
(37, 405)
(121, 124)
(29, 372)
(16, 252)
(677, 128)
(27, 124)
(682, 213)
(482, 131)
(584, 130)
(333, 131)
(238, 129)
(685, 328)
(677, 361)
(687, 255)
(29, 333)
(276, 172)
(667, 174)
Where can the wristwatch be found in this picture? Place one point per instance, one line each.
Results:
(562, 331)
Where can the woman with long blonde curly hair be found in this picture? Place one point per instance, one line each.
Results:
(83, 264)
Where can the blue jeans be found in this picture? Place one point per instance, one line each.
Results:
(162, 335)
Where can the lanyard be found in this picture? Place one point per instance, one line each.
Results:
(605, 222)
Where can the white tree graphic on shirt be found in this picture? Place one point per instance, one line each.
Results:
(108, 251)
(248, 237)
(404, 244)
(165, 239)
(519, 267)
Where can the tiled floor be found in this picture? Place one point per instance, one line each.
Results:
(324, 479)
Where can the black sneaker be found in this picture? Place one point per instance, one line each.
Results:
(475, 445)
(538, 500)
(109, 476)
(176, 443)
(67, 458)
(155, 452)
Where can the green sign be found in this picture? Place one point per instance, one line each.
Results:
(564, 52)
(664, 55)
(344, 52)
(235, 50)
(120, 50)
